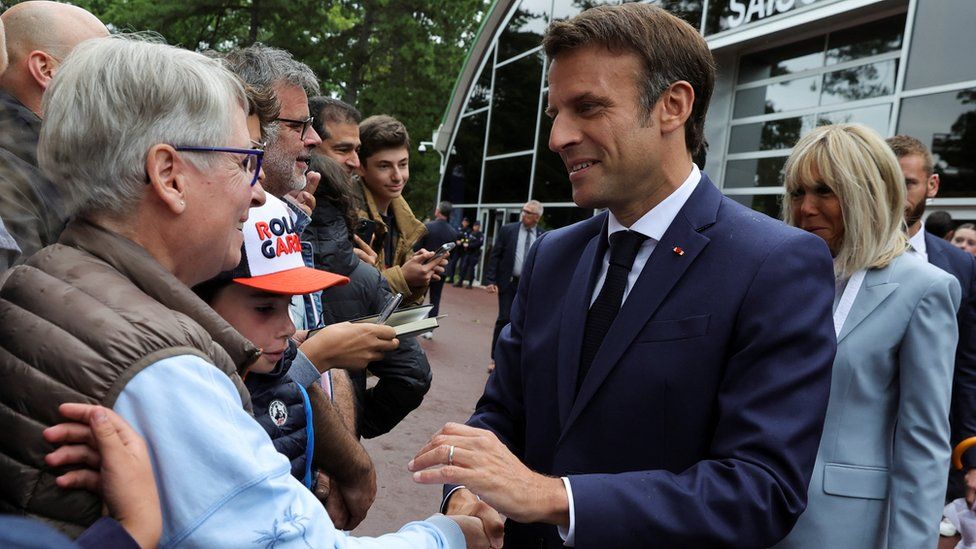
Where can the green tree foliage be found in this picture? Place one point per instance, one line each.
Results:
(398, 57)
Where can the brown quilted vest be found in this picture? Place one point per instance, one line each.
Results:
(78, 321)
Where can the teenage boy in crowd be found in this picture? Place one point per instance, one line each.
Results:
(384, 170)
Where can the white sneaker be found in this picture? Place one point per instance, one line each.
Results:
(427, 335)
(946, 528)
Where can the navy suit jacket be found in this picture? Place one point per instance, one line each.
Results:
(501, 262)
(699, 421)
(439, 232)
(962, 414)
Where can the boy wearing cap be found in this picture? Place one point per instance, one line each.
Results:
(254, 299)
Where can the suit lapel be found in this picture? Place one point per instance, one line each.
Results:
(936, 255)
(661, 273)
(573, 322)
(874, 291)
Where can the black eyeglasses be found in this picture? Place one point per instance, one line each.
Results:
(298, 125)
(253, 158)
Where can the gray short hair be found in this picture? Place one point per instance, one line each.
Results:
(112, 100)
(263, 67)
(535, 204)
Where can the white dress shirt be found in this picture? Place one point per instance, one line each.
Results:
(917, 244)
(653, 225)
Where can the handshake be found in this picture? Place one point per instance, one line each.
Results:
(493, 483)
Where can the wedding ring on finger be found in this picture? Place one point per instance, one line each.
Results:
(450, 456)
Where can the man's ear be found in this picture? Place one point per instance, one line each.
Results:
(166, 174)
(42, 67)
(676, 103)
(933, 186)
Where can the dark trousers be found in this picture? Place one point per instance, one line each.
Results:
(435, 289)
(453, 265)
(505, 299)
(468, 263)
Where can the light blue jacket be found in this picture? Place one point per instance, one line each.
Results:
(222, 483)
(880, 474)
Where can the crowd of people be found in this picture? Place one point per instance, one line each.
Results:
(189, 239)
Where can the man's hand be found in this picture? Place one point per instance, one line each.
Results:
(464, 502)
(338, 453)
(492, 289)
(305, 198)
(354, 499)
(970, 487)
(349, 346)
(363, 251)
(458, 454)
(417, 273)
(119, 467)
(474, 534)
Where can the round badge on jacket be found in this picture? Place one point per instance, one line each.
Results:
(278, 412)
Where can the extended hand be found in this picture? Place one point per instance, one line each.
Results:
(474, 533)
(464, 502)
(353, 497)
(485, 466)
(417, 273)
(347, 345)
(119, 468)
(970, 487)
(363, 251)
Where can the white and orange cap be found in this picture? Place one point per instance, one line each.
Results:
(271, 258)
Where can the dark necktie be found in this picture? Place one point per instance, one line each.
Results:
(623, 250)
(525, 248)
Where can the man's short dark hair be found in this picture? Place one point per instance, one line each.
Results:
(905, 145)
(445, 208)
(379, 133)
(328, 110)
(670, 49)
(939, 223)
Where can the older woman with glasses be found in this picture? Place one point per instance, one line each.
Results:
(879, 478)
(151, 143)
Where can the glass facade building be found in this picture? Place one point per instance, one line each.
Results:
(784, 67)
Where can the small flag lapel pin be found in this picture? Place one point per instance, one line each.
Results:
(677, 250)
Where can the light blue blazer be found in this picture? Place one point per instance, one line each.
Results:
(880, 475)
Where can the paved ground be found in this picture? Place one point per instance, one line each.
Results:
(459, 358)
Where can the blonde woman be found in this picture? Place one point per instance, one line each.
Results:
(879, 478)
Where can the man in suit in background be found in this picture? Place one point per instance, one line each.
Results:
(922, 183)
(664, 378)
(505, 263)
(439, 232)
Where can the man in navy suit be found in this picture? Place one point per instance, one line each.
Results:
(505, 263)
(439, 232)
(922, 183)
(664, 378)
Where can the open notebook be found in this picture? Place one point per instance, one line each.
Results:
(408, 322)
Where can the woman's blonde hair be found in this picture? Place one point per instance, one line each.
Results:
(862, 171)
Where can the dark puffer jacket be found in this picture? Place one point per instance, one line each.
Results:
(404, 373)
(282, 408)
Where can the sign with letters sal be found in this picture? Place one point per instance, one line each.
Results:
(734, 14)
